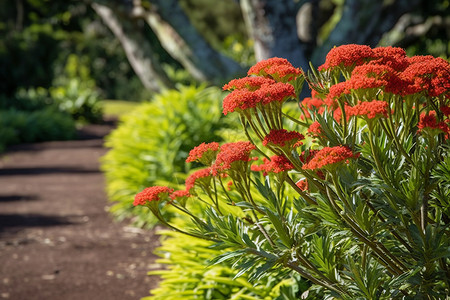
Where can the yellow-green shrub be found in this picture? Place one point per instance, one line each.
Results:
(152, 142)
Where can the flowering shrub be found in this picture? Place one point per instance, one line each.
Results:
(355, 200)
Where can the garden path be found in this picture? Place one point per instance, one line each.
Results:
(57, 241)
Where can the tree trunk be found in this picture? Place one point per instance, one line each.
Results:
(137, 49)
(364, 22)
(182, 41)
(272, 25)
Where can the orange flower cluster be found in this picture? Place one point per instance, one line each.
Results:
(389, 69)
(371, 109)
(347, 55)
(202, 176)
(376, 73)
(204, 153)
(329, 156)
(429, 120)
(428, 74)
(392, 57)
(276, 164)
(154, 193)
(314, 130)
(247, 83)
(180, 195)
(242, 99)
(233, 152)
(269, 85)
(278, 68)
(282, 138)
(311, 103)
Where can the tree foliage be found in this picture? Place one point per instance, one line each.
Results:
(38, 37)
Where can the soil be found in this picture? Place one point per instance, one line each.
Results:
(57, 240)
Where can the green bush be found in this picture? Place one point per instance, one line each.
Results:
(26, 127)
(75, 92)
(31, 99)
(151, 144)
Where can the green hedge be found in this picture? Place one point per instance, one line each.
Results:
(151, 144)
(36, 126)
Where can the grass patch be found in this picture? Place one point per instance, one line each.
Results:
(116, 108)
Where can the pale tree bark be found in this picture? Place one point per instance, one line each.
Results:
(184, 43)
(272, 26)
(138, 50)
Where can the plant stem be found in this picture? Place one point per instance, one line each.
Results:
(393, 231)
(308, 276)
(302, 193)
(388, 262)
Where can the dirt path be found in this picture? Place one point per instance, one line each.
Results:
(56, 239)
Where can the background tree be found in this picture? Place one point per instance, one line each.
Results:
(134, 46)
(300, 31)
(37, 39)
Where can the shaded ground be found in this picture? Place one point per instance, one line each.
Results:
(56, 239)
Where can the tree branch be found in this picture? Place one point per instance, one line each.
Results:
(137, 49)
(182, 41)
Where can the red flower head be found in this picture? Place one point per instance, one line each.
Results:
(204, 153)
(314, 130)
(276, 92)
(150, 194)
(283, 138)
(376, 76)
(336, 91)
(310, 102)
(393, 57)
(242, 99)
(248, 83)
(370, 109)
(277, 68)
(445, 110)
(180, 195)
(347, 56)
(430, 122)
(276, 164)
(419, 58)
(231, 153)
(329, 156)
(337, 113)
(200, 177)
(429, 74)
(370, 76)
